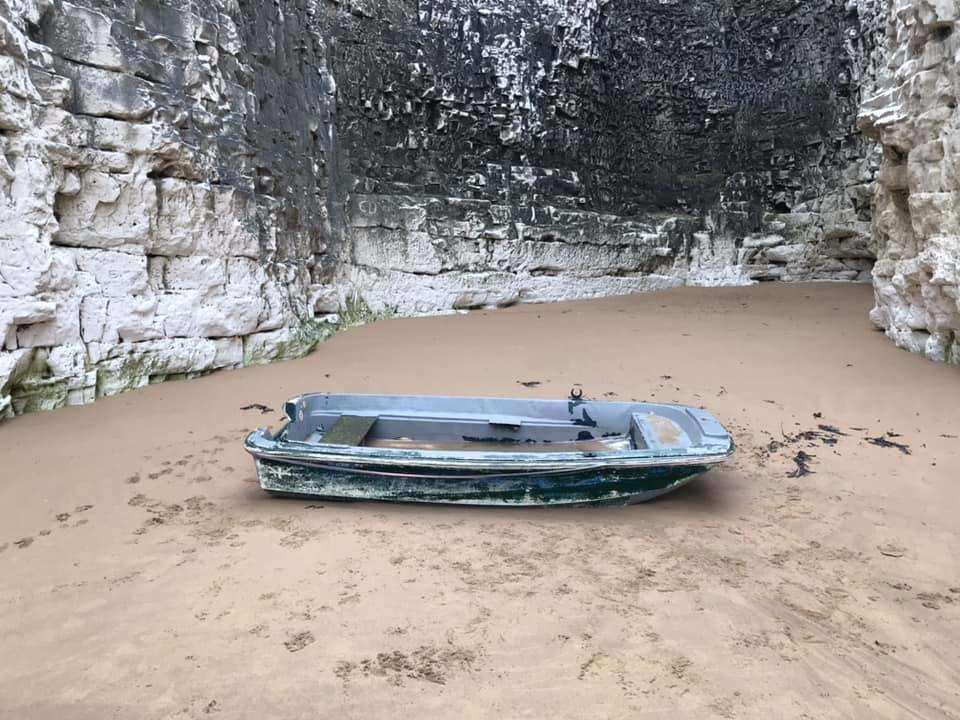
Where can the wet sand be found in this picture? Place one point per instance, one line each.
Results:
(144, 574)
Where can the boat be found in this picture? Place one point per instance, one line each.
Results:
(485, 451)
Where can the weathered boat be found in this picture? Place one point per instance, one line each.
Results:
(485, 451)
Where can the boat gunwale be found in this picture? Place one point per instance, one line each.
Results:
(328, 397)
(262, 443)
(318, 453)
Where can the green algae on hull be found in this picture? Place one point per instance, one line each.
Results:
(587, 487)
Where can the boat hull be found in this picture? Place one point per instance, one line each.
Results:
(610, 485)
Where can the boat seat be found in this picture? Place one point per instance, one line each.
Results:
(513, 422)
(657, 431)
(349, 430)
(636, 432)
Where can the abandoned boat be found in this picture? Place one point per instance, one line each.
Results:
(485, 451)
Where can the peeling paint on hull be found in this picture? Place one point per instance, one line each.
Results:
(591, 486)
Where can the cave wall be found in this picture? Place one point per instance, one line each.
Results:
(189, 185)
(913, 113)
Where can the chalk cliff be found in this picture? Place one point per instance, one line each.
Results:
(190, 185)
(163, 205)
(913, 114)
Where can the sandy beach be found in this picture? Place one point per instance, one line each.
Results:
(146, 575)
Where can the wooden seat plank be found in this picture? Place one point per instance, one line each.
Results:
(349, 430)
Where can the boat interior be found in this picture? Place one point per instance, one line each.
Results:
(493, 425)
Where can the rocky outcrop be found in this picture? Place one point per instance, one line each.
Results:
(917, 206)
(416, 255)
(160, 215)
(189, 185)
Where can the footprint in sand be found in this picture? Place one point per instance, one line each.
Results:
(429, 664)
(679, 667)
(23, 542)
(588, 665)
(892, 550)
(64, 516)
(299, 641)
(259, 630)
(934, 600)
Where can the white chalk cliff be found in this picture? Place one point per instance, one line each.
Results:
(916, 224)
(133, 247)
(190, 185)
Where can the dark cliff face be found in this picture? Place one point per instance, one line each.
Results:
(622, 106)
(498, 123)
(239, 88)
(294, 130)
(204, 183)
(627, 107)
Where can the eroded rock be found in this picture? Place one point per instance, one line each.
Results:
(913, 113)
(135, 243)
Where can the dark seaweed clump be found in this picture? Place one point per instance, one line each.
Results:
(882, 441)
